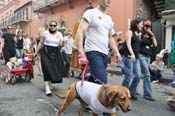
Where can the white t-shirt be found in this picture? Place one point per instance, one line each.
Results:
(88, 93)
(51, 41)
(68, 44)
(27, 43)
(97, 35)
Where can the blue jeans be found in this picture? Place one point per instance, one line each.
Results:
(144, 62)
(98, 64)
(19, 53)
(133, 68)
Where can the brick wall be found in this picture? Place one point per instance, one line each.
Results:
(169, 4)
(145, 9)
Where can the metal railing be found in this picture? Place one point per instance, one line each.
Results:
(44, 3)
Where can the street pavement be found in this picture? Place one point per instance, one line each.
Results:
(29, 99)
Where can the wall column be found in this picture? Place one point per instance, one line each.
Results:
(168, 37)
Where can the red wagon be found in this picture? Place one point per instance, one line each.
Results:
(25, 73)
(10, 76)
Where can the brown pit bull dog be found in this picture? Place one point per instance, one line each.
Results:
(101, 98)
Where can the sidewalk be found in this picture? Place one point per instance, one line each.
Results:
(114, 69)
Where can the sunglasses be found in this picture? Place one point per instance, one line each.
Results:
(52, 25)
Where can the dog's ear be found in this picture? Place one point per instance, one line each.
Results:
(111, 97)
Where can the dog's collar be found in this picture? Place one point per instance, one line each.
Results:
(106, 95)
(106, 98)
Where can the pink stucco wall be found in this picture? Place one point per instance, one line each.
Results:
(120, 10)
(70, 15)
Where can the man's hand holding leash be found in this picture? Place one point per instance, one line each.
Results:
(82, 59)
(83, 62)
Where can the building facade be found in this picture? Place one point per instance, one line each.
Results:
(168, 20)
(30, 15)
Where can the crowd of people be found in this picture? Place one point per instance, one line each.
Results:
(52, 50)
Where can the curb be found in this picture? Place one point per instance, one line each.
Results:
(114, 69)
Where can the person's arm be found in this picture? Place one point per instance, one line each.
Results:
(1, 42)
(154, 66)
(151, 34)
(15, 39)
(113, 46)
(61, 42)
(154, 41)
(83, 26)
(128, 43)
(72, 44)
(40, 45)
(161, 67)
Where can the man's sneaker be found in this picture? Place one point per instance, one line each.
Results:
(137, 93)
(172, 83)
(149, 98)
(134, 97)
(88, 108)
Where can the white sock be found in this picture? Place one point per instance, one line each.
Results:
(48, 91)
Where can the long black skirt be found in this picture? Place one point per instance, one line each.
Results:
(52, 64)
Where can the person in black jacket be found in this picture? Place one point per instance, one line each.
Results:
(9, 44)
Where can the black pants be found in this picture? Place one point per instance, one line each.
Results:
(155, 75)
(8, 53)
(67, 60)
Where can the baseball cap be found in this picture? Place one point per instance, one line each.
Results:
(147, 23)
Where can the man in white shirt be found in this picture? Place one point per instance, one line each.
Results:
(97, 26)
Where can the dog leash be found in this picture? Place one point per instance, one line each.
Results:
(85, 66)
(83, 75)
(96, 79)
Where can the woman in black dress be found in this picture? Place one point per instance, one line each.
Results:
(51, 58)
